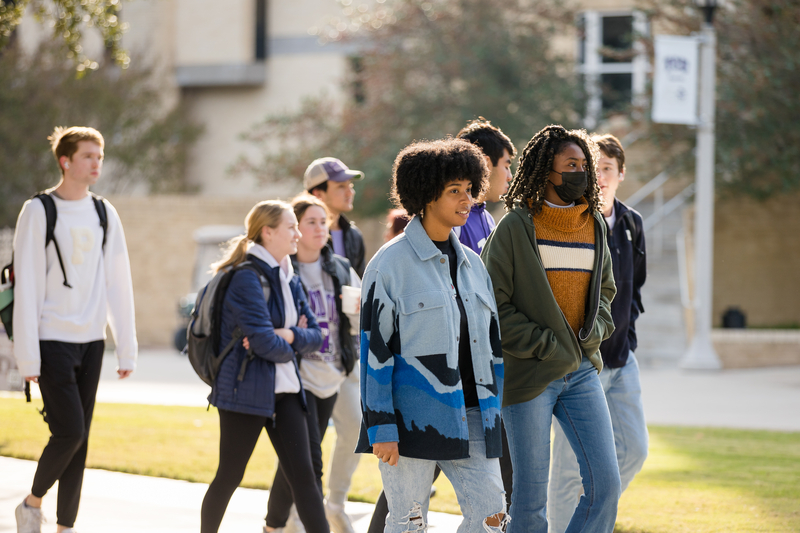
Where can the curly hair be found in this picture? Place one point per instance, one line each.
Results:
(536, 162)
(423, 169)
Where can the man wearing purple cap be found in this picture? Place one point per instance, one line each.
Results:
(332, 182)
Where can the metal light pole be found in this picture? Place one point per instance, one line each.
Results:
(701, 354)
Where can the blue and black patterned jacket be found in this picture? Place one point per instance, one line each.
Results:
(411, 388)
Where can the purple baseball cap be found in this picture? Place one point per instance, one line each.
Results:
(328, 168)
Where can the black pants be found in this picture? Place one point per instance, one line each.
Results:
(280, 496)
(237, 438)
(68, 382)
(378, 522)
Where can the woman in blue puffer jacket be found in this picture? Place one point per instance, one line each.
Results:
(269, 394)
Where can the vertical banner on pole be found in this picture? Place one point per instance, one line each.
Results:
(675, 80)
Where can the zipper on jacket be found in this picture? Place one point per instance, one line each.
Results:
(599, 285)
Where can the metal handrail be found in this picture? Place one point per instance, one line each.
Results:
(648, 188)
(683, 274)
(674, 203)
(656, 187)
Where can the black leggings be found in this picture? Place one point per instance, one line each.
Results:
(378, 522)
(280, 496)
(68, 382)
(237, 438)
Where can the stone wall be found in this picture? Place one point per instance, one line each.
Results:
(751, 348)
(159, 232)
(757, 260)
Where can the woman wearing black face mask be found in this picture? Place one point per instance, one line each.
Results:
(551, 272)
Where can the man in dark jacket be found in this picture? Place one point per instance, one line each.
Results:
(620, 375)
(332, 182)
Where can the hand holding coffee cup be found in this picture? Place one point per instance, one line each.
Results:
(351, 300)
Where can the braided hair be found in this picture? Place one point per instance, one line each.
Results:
(536, 162)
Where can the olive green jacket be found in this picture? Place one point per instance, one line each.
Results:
(539, 346)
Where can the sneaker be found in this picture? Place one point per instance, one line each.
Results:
(293, 523)
(338, 520)
(29, 519)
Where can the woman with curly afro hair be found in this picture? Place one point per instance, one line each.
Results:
(551, 271)
(431, 361)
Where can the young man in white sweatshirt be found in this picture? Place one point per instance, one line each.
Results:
(60, 316)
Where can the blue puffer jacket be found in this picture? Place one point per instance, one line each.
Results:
(244, 306)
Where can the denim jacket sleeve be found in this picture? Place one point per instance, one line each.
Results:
(309, 339)
(377, 359)
(245, 300)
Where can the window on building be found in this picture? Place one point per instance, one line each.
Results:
(611, 62)
(617, 39)
(357, 83)
(261, 30)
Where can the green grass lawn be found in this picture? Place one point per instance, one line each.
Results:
(695, 480)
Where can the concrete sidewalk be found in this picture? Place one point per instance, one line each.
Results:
(753, 398)
(122, 503)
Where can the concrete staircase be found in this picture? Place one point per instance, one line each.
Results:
(660, 330)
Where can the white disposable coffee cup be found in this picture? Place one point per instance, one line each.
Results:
(351, 298)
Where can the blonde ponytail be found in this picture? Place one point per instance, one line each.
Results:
(263, 214)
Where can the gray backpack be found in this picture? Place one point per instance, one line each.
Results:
(203, 334)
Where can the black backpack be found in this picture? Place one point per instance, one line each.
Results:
(203, 334)
(7, 274)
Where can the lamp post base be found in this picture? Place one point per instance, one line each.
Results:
(701, 355)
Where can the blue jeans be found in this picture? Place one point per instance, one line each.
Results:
(624, 396)
(578, 403)
(476, 480)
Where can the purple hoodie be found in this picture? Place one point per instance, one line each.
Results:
(479, 225)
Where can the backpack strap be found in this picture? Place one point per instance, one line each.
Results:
(51, 215)
(265, 287)
(634, 229)
(100, 207)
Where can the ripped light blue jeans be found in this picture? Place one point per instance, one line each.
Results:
(476, 480)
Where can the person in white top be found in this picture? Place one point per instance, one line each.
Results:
(259, 384)
(330, 180)
(324, 276)
(60, 316)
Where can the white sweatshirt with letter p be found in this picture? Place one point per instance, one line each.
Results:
(102, 290)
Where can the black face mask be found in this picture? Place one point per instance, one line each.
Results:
(573, 185)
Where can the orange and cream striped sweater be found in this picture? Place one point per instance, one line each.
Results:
(566, 244)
